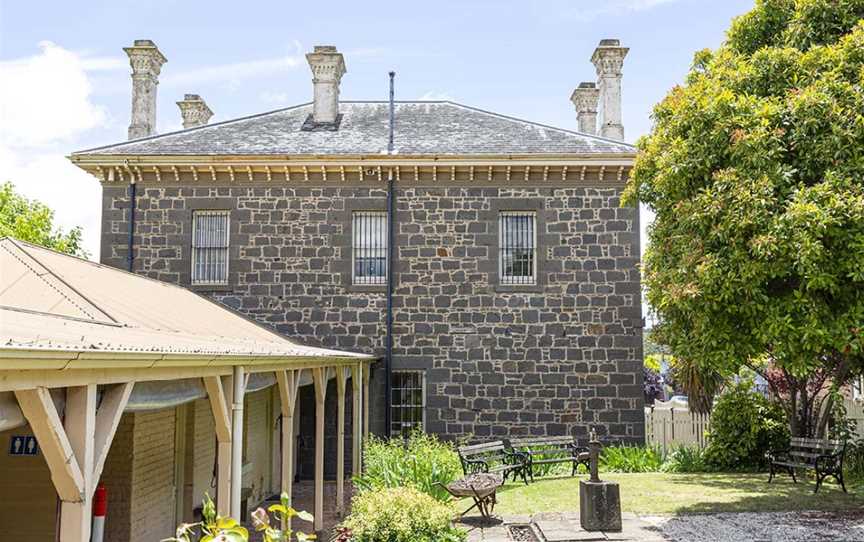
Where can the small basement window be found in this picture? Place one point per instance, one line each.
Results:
(517, 242)
(210, 247)
(408, 405)
(369, 247)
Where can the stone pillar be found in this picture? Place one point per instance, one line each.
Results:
(608, 59)
(327, 66)
(194, 111)
(585, 98)
(146, 62)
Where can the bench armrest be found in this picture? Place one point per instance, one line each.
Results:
(518, 458)
(830, 461)
(780, 454)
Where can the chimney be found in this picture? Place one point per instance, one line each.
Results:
(608, 59)
(585, 99)
(146, 61)
(194, 111)
(327, 66)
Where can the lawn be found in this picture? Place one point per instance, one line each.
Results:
(664, 493)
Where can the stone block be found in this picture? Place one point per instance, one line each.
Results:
(599, 506)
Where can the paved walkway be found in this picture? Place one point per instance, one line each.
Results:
(555, 527)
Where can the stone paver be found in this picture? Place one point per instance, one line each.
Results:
(560, 527)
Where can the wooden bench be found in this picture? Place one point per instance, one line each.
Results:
(825, 457)
(494, 457)
(550, 450)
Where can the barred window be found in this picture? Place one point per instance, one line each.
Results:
(408, 402)
(369, 250)
(210, 247)
(518, 248)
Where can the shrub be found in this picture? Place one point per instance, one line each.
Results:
(744, 426)
(400, 514)
(420, 462)
(853, 462)
(684, 459)
(630, 459)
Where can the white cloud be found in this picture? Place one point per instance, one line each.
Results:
(45, 106)
(45, 98)
(588, 10)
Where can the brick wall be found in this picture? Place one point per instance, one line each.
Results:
(153, 492)
(547, 360)
(117, 477)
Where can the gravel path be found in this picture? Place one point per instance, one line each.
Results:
(762, 527)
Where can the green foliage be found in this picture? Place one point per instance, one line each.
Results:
(853, 462)
(630, 459)
(744, 426)
(400, 514)
(421, 462)
(755, 171)
(686, 459)
(33, 222)
(700, 381)
(211, 528)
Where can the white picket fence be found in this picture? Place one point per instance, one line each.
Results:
(670, 424)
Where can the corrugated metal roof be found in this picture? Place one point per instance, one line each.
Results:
(422, 128)
(54, 301)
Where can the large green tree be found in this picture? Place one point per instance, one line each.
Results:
(33, 222)
(755, 170)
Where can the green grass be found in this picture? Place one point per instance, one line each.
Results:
(668, 493)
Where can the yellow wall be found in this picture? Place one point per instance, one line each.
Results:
(28, 502)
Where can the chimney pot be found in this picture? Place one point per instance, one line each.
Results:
(146, 61)
(585, 99)
(194, 111)
(608, 59)
(328, 67)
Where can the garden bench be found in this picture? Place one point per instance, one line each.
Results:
(825, 457)
(550, 450)
(493, 457)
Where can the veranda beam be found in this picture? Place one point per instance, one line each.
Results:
(107, 419)
(366, 370)
(237, 440)
(219, 406)
(319, 376)
(356, 414)
(341, 376)
(289, 386)
(80, 425)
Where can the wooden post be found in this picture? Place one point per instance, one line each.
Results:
(216, 389)
(341, 376)
(289, 387)
(74, 449)
(356, 422)
(239, 385)
(365, 371)
(319, 376)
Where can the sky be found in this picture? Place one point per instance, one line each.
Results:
(65, 85)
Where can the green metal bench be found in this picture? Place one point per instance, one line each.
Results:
(550, 450)
(825, 457)
(494, 457)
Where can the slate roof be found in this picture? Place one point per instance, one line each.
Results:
(55, 302)
(422, 128)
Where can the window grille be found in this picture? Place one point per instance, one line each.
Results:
(210, 247)
(518, 248)
(369, 250)
(408, 402)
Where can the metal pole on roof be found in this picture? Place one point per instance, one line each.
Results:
(391, 215)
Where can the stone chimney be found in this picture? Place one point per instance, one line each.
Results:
(194, 111)
(328, 66)
(608, 59)
(585, 99)
(146, 61)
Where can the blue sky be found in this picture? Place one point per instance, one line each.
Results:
(64, 80)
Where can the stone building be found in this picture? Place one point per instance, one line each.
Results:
(514, 280)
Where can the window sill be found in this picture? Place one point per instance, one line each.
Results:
(366, 288)
(518, 288)
(211, 287)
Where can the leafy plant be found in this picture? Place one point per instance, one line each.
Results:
(283, 513)
(744, 426)
(215, 528)
(630, 459)
(853, 462)
(686, 459)
(212, 527)
(400, 514)
(755, 171)
(421, 462)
